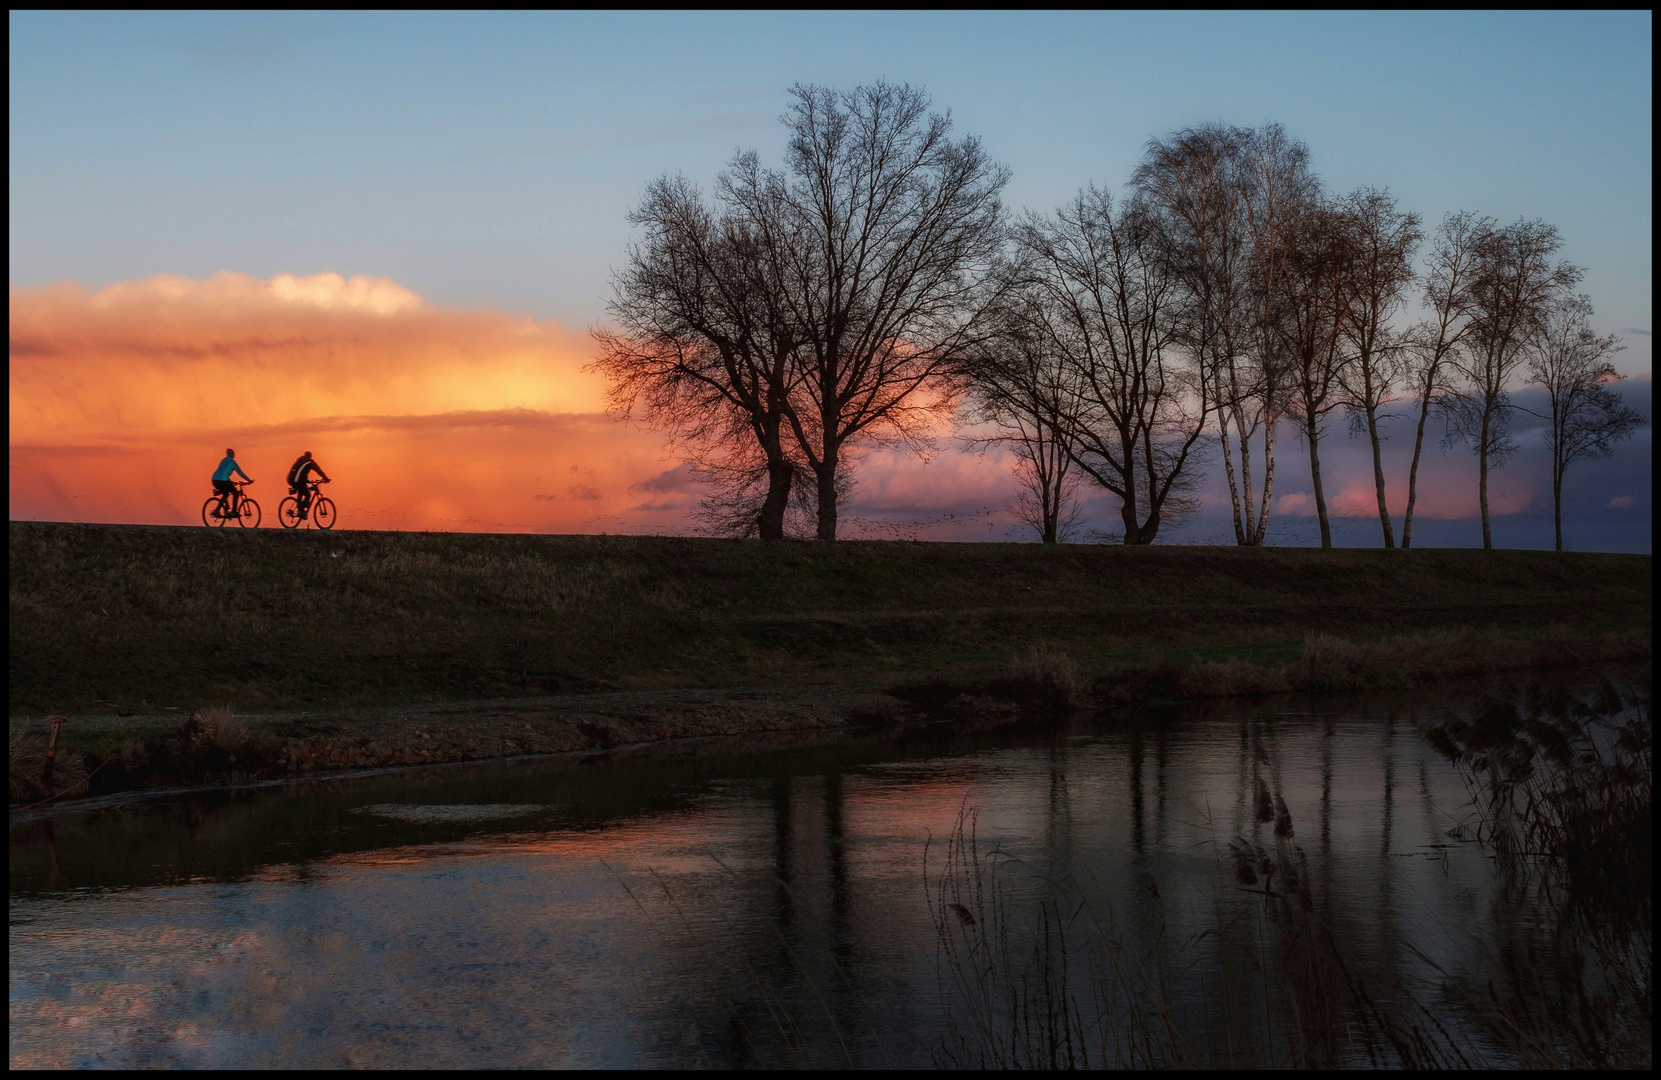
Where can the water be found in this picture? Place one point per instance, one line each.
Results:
(750, 905)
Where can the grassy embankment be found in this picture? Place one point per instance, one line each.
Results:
(112, 620)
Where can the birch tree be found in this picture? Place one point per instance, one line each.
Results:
(1279, 192)
(1515, 287)
(1450, 295)
(1585, 418)
(1317, 295)
(1382, 242)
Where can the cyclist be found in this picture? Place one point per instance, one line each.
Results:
(222, 481)
(297, 473)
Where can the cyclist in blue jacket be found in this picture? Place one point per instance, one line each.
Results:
(222, 480)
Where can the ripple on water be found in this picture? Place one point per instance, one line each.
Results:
(435, 814)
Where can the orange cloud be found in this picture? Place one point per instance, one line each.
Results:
(123, 400)
(170, 354)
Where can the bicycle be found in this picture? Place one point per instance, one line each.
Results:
(218, 511)
(319, 508)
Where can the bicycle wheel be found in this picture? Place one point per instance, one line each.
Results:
(250, 516)
(211, 516)
(288, 513)
(323, 513)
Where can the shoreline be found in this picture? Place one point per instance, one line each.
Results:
(286, 748)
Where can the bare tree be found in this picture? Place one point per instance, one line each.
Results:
(1514, 288)
(1383, 240)
(1317, 294)
(705, 350)
(1451, 298)
(1025, 389)
(1104, 299)
(884, 233)
(1586, 418)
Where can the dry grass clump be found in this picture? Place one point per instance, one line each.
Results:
(214, 741)
(1043, 679)
(1231, 678)
(27, 783)
(212, 729)
(135, 758)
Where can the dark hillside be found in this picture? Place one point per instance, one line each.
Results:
(114, 618)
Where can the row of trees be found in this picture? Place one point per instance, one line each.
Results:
(874, 285)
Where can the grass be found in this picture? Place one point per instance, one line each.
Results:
(126, 619)
(1562, 789)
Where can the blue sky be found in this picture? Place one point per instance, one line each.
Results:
(488, 161)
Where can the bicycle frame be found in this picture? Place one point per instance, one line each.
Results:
(229, 501)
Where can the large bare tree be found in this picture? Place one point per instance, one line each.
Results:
(884, 233)
(1515, 288)
(1448, 281)
(1382, 240)
(1585, 418)
(705, 349)
(1104, 298)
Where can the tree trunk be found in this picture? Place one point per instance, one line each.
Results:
(1482, 483)
(780, 472)
(1049, 490)
(1557, 502)
(1413, 473)
(826, 475)
(1262, 532)
(1246, 475)
(1127, 501)
(1233, 487)
(1320, 492)
(1378, 479)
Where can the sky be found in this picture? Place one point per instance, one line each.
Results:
(386, 237)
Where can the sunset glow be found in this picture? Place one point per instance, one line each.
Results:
(123, 400)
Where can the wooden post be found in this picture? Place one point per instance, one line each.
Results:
(51, 752)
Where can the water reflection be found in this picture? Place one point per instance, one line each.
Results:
(760, 906)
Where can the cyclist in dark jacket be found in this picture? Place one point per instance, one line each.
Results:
(303, 466)
(222, 479)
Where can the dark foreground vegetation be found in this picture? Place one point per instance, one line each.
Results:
(121, 619)
(110, 621)
(1561, 791)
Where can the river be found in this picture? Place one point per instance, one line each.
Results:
(706, 904)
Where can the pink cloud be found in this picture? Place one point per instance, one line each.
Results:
(1622, 501)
